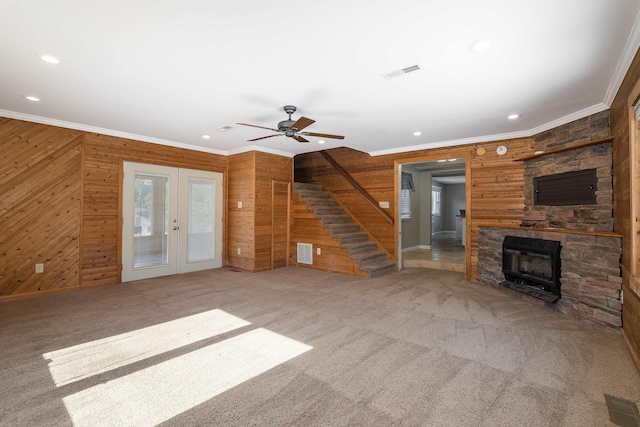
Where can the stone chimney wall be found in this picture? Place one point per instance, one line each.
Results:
(590, 128)
(592, 217)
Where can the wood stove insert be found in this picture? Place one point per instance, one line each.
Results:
(532, 266)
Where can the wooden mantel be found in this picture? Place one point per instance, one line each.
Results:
(563, 149)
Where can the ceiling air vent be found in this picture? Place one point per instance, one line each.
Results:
(224, 128)
(401, 72)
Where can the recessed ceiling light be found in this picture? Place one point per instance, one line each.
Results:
(480, 45)
(48, 58)
(321, 141)
(206, 136)
(417, 133)
(513, 116)
(31, 98)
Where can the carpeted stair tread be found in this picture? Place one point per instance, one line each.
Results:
(319, 201)
(306, 186)
(380, 268)
(358, 247)
(313, 194)
(335, 219)
(342, 227)
(364, 256)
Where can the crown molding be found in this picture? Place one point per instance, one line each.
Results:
(103, 131)
(248, 148)
(497, 137)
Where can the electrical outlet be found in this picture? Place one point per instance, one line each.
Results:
(318, 251)
(39, 268)
(238, 251)
(384, 205)
(239, 205)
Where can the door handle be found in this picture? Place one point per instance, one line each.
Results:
(174, 227)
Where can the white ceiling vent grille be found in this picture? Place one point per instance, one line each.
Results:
(402, 71)
(305, 253)
(224, 128)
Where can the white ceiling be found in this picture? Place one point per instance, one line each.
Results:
(169, 71)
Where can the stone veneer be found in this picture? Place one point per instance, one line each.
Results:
(590, 128)
(590, 277)
(592, 217)
(590, 256)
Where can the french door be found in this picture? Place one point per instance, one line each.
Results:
(172, 221)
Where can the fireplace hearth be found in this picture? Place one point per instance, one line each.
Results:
(532, 266)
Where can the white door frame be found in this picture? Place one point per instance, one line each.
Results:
(177, 233)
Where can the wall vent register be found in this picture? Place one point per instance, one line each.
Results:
(564, 189)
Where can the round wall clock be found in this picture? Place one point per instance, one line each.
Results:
(501, 150)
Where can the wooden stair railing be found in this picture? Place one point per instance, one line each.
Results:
(357, 186)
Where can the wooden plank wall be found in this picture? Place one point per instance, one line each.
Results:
(60, 194)
(496, 185)
(305, 228)
(622, 199)
(241, 221)
(102, 178)
(40, 202)
(249, 228)
(268, 168)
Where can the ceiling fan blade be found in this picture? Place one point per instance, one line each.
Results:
(300, 139)
(256, 126)
(302, 123)
(323, 135)
(263, 137)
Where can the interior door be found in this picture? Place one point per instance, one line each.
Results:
(172, 221)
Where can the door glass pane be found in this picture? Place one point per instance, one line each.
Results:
(200, 238)
(151, 220)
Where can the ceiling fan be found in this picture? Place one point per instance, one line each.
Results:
(291, 129)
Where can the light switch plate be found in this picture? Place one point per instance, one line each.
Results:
(384, 204)
(239, 205)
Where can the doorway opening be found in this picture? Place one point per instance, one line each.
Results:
(433, 235)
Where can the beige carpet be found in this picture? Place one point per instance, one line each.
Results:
(302, 348)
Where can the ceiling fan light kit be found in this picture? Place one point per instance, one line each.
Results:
(292, 129)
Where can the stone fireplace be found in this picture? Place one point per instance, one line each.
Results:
(590, 276)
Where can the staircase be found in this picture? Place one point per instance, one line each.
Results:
(370, 260)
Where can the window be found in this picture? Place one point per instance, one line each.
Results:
(405, 195)
(435, 200)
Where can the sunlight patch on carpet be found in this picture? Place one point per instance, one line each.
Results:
(160, 392)
(85, 360)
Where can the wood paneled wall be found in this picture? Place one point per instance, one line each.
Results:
(249, 228)
(60, 193)
(241, 221)
(102, 187)
(269, 168)
(496, 185)
(306, 228)
(40, 202)
(622, 199)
